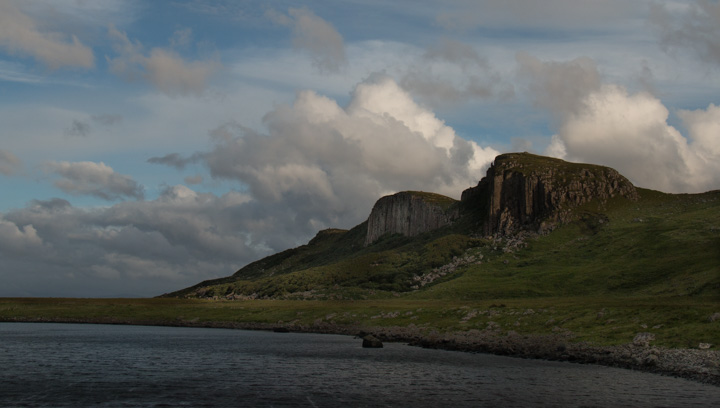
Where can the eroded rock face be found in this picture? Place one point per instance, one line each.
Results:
(525, 191)
(410, 213)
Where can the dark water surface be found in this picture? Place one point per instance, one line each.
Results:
(69, 365)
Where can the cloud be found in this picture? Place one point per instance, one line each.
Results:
(107, 119)
(695, 27)
(704, 130)
(15, 240)
(319, 165)
(605, 124)
(314, 35)
(173, 160)
(560, 86)
(196, 179)
(141, 248)
(546, 15)
(19, 34)
(181, 38)
(95, 179)
(78, 128)
(9, 163)
(453, 71)
(325, 165)
(163, 68)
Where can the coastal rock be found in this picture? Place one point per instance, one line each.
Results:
(522, 191)
(410, 213)
(370, 341)
(643, 339)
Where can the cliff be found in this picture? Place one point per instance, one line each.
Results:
(526, 191)
(410, 213)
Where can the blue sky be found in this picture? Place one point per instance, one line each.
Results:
(148, 145)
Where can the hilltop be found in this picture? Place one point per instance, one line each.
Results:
(533, 226)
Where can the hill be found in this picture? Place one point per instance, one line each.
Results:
(533, 227)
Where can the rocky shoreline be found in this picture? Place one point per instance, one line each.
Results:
(692, 364)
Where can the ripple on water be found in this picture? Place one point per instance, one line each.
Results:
(65, 365)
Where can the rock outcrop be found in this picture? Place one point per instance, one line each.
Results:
(410, 213)
(522, 191)
(371, 341)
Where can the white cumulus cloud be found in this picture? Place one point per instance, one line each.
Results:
(329, 163)
(606, 124)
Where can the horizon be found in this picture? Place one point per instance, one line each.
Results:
(148, 146)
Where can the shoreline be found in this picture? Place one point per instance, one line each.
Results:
(692, 364)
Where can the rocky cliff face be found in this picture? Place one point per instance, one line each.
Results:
(525, 191)
(410, 213)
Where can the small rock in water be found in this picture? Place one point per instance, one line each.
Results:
(371, 341)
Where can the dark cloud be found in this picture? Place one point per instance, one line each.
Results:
(695, 27)
(174, 160)
(138, 248)
(50, 206)
(78, 128)
(95, 179)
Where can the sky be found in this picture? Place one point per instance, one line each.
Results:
(146, 146)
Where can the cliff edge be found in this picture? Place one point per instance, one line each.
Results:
(523, 191)
(410, 213)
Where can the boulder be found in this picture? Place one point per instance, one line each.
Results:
(643, 339)
(370, 341)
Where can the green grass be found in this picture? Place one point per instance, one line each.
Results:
(676, 322)
(662, 246)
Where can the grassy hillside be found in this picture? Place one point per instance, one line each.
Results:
(623, 268)
(661, 245)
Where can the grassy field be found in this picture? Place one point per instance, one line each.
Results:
(676, 322)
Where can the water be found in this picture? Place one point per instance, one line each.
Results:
(68, 365)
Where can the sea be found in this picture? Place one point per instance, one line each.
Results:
(85, 365)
